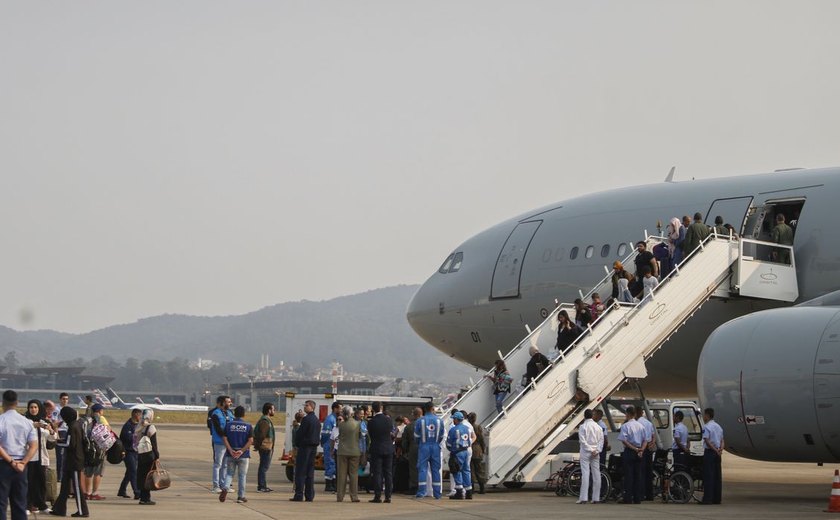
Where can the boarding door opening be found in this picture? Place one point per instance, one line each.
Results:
(508, 269)
(733, 211)
(763, 219)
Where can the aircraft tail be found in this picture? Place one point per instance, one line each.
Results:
(158, 401)
(114, 398)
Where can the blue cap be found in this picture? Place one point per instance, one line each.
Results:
(458, 415)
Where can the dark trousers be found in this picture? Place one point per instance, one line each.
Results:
(70, 483)
(12, 490)
(382, 468)
(305, 472)
(680, 459)
(647, 474)
(37, 485)
(603, 457)
(59, 462)
(130, 476)
(632, 479)
(265, 463)
(712, 484)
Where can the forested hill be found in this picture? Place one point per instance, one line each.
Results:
(365, 332)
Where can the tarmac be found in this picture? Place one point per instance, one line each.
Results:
(751, 490)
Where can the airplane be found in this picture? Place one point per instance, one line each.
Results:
(117, 401)
(764, 362)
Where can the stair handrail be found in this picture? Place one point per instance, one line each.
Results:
(550, 316)
(633, 312)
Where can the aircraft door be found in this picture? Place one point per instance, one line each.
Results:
(508, 269)
(733, 210)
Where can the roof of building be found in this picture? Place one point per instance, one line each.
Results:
(288, 384)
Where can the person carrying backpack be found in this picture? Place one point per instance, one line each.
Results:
(94, 455)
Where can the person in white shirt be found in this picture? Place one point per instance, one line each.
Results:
(649, 282)
(591, 438)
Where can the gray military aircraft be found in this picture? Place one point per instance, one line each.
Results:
(774, 366)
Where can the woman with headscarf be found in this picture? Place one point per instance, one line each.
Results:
(147, 454)
(74, 463)
(676, 236)
(36, 469)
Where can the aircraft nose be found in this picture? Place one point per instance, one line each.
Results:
(421, 311)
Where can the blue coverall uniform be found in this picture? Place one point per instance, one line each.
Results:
(329, 461)
(428, 432)
(458, 443)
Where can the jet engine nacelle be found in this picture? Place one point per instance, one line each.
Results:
(773, 378)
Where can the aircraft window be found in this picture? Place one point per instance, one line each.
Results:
(622, 250)
(446, 264)
(605, 251)
(573, 253)
(590, 250)
(456, 262)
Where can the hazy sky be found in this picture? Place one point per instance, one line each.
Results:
(208, 157)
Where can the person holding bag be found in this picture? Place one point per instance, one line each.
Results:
(36, 469)
(147, 454)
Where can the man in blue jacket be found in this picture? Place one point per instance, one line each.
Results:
(219, 418)
(130, 460)
(428, 432)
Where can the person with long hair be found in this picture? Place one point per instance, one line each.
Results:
(567, 331)
(74, 464)
(501, 383)
(36, 472)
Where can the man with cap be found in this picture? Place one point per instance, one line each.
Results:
(458, 442)
(94, 469)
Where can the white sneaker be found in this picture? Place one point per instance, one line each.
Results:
(216, 490)
(45, 511)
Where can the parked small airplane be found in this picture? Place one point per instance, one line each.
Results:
(117, 401)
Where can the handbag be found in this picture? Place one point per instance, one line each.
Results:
(158, 478)
(145, 443)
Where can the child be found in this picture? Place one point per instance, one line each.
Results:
(649, 282)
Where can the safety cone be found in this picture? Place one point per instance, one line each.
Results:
(834, 500)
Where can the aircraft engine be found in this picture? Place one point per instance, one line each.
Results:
(773, 378)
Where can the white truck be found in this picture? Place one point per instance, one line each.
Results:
(394, 406)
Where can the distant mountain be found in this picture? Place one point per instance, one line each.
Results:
(365, 332)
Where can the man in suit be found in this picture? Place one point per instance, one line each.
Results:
(307, 438)
(409, 446)
(381, 432)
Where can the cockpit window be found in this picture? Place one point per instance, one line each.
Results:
(446, 264)
(456, 262)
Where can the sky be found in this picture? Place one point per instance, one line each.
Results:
(212, 158)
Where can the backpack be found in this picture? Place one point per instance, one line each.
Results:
(93, 455)
(102, 436)
(210, 419)
(115, 454)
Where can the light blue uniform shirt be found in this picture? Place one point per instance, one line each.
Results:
(633, 432)
(681, 435)
(649, 429)
(16, 432)
(713, 432)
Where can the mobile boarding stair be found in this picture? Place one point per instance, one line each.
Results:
(543, 412)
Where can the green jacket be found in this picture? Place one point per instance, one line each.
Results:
(695, 234)
(263, 429)
(349, 432)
